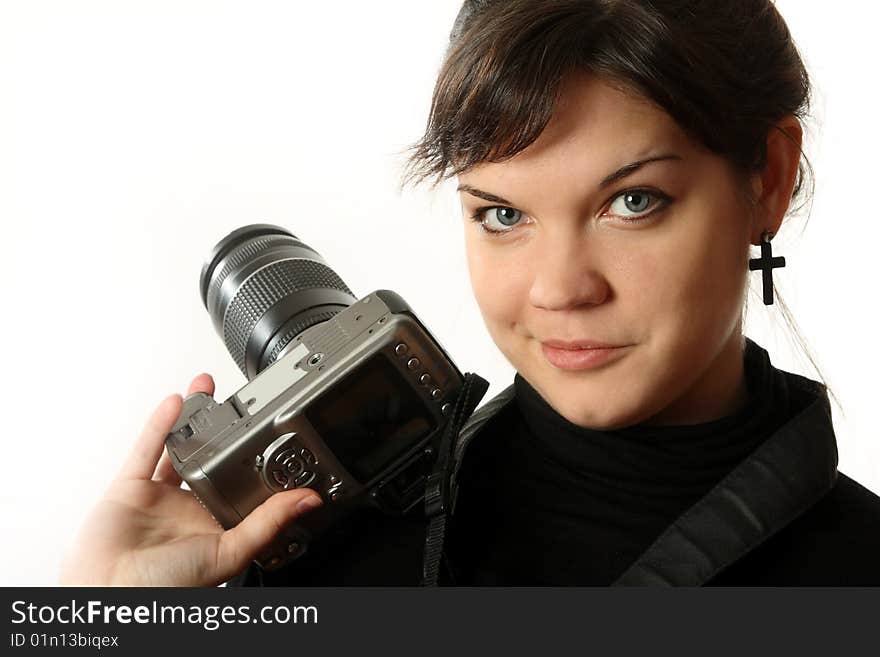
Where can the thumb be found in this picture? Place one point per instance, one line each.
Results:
(241, 544)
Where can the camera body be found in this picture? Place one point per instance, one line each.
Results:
(352, 407)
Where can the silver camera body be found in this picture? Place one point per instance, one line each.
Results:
(352, 408)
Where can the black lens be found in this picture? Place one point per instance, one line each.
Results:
(263, 287)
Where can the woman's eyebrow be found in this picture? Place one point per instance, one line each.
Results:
(492, 198)
(621, 173)
(629, 169)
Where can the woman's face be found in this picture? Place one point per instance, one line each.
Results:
(656, 260)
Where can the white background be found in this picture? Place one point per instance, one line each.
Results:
(134, 135)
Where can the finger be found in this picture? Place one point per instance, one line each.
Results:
(145, 453)
(201, 383)
(165, 472)
(241, 544)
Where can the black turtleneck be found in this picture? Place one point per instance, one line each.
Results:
(543, 501)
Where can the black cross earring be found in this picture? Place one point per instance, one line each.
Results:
(766, 263)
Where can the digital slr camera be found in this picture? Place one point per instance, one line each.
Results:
(346, 396)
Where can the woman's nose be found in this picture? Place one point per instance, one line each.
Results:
(566, 275)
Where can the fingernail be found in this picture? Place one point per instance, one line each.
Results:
(311, 502)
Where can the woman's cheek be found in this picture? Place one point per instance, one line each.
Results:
(499, 295)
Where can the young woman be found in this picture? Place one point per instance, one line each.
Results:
(615, 159)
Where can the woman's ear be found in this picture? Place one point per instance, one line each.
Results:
(773, 186)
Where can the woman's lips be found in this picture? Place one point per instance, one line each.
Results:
(580, 359)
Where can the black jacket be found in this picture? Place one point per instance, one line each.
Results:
(784, 516)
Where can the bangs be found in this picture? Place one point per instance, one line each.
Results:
(726, 71)
(498, 87)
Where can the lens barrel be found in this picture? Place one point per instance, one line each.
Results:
(262, 287)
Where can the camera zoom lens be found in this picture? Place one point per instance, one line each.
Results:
(262, 287)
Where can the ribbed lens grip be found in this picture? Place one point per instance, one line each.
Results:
(236, 259)
(262, 286)
(266, 288)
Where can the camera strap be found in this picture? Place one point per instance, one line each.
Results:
(438, 485)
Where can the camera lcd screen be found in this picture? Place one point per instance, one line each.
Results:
(370, 418)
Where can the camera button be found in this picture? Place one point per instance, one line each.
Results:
(293, 465)
(413, 363)
(445, 409)
(425, 379)
(335, 492)
(436, 393)
(309, 457)
(280, 478)
(303, 479)
(401, 349)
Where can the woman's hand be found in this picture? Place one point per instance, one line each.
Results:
(147, 531)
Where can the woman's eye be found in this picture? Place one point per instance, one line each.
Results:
(635, 204)
(505, 218)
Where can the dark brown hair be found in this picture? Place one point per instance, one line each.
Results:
(726, 70)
